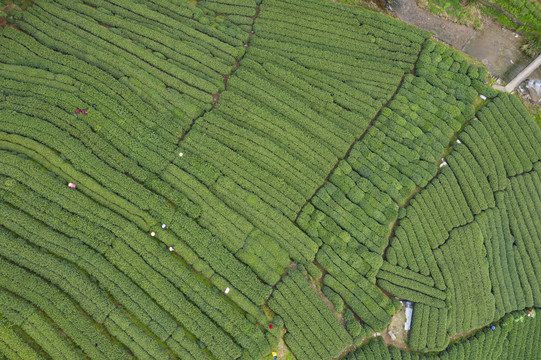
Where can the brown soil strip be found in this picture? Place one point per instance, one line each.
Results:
(464, 334)
(328, 302)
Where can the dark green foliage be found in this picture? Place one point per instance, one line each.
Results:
(510, 339)
(334, 298)
(398, 153)
(470, 232)
(368, 302)
(314, 271)
(428, 332)
(264, 136)
(312, 327)
(353, 326)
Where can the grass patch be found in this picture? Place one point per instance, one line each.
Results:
(469, 13)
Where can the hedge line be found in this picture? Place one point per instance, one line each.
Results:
(509, 339)
(161, 299)
(313, 329)
(19, 314)
(61, 310)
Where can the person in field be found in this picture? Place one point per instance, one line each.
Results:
(80, 111)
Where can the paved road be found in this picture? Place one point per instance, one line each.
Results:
(523, 74)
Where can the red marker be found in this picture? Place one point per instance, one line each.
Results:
(270, 327)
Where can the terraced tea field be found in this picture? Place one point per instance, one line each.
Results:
(193, 179)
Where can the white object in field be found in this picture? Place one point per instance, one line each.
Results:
(164, 226)
(458, 141)
(153, 234)
(180, 154)
(443, 164)
(392, 335)
(483, 97)
(227, 290)
(171, 248)
(378, 334)
(409, 313)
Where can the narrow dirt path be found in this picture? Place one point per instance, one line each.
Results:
(464, 334)
(354, 142)
(216, 97)
(328, 302)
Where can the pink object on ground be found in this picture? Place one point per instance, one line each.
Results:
(78, 111)
(72, 185)
(270, 327)
(83, 111)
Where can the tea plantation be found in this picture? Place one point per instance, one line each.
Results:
(244, 179)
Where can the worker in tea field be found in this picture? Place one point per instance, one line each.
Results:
(80, 111)
(72, 185)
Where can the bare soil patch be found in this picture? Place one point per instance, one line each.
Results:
(446, 31)
(464, 334)
(10, 6)
(397, 327)
(282, 348)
